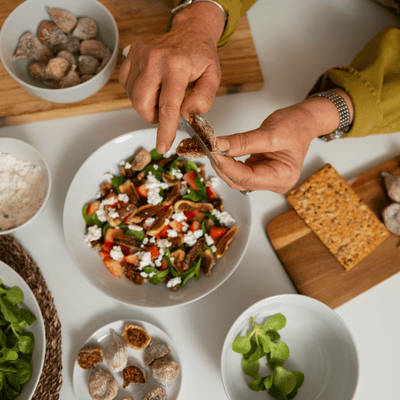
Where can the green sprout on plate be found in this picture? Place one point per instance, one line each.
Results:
(264, 340)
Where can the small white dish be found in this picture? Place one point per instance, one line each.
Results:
(84, 187)
(29, 154)
(28, 17)
(102, 337)
(320, 343)
(11, 278)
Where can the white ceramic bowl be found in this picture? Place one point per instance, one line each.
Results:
(29, 154)
(320, 343)
(83, 189)
(11, 278)
(27, 17)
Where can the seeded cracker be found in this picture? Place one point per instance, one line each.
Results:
(337, 215)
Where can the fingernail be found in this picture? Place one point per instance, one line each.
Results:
(222, 144)
(161, 147)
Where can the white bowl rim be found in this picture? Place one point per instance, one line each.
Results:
(72, 88)
(276, 297)
(48, 191)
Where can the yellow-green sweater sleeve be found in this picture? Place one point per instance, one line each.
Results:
(373, 82)
(234, 9)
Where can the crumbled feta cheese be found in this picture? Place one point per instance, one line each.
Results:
(209, 239)
(198, 233)
(166, 221)
(122, 162)
(169, 153)
(185, 226)
(178, 216)
(145, 240)
(213, 249)
(157, 263)
(177, 173)
(190, 239)
(149, 221)
(213, 182)
(223, 217)
(153, 189)
(184, 188)
(155, 166)
(99, 194)
(172, 233)
(145, 259)
(112, 212)
(123, 197)
(109, 201)
(163, 244)
(101, 215)
(201, 179)
(116, 253)
(136, 228)
(108, 176)
(173, 282)
(128, 166)
(94, 233)
(152, 239)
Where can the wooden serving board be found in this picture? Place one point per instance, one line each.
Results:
(139, 19)
(314, 270)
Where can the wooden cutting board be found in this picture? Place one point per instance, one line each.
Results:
(314, 270)
(139, 19)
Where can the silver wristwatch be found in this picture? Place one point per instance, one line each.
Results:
(185, 3)
(344, 115)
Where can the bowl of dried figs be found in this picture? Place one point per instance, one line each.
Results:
(61, 51)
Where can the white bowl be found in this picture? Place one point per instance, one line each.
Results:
(27, 17)
(320, 343)
(11, 278)
(29, 154)
(84, 187)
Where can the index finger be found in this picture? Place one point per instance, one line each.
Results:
(172, 94)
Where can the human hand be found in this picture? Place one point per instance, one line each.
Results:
(278, 147)
(156, 74)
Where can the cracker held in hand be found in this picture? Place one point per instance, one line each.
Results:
(337, 215)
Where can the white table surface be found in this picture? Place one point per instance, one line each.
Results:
(296, 41)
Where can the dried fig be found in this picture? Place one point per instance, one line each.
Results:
(85, 29)
(155, 394)
(392, 183)
(57, 68)
(391, 218)
(71, 79)
(117, 353)
(87, 65)
(165, 371)
(133, 374)
(37, 71)
(90, 356)
(93, 48)
(65, 20)
(51, 35)
(66, 55)
(102, 385)
(30, 47)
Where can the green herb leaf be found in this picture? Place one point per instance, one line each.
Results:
(117, 181)
(242, 344)
(139, 234)
(250, 368)
(284, 380)
(92, 218)
(275, 322)
(278, 355)
(155, 155)
(257, 385)
(156, 170)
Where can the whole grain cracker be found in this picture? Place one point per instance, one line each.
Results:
(337, 215)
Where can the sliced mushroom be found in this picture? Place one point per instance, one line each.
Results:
(165, 161)
(173, 195)
(178, 260)
(187, 205)
(194, 252)
(170, 179)
(127, 240)
(129, 189)
(143, 212)
(141, 160)
(159, 223)
(106, 188)
(218, 204)
(176, 241)
(207, 261)
(123, 212)
(223, 243)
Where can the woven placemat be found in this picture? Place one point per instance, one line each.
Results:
(14, 255)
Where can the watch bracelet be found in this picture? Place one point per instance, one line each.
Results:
(344, 114)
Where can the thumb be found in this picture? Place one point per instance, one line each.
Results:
(241, 144)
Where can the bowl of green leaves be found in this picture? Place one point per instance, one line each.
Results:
(22, 337)
(286, 347)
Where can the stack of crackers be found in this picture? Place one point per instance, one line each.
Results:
(337, 215)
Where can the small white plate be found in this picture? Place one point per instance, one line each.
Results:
(321, 346)
(83, 189)
(11, 278)
(102, 337)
